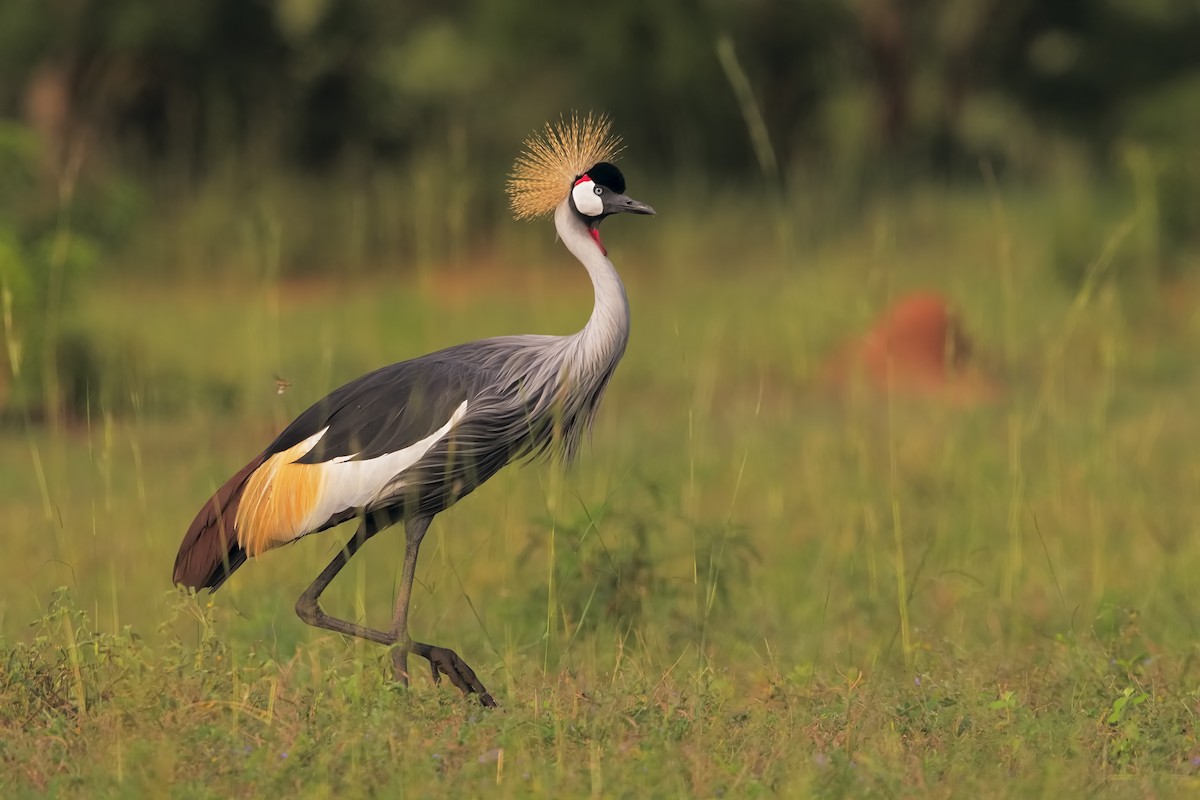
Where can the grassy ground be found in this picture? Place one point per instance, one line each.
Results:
(748, 586)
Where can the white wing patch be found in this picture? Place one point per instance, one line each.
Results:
(348, 484)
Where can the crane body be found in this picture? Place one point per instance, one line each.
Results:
(405, 442)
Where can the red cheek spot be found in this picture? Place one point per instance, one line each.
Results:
(582, 179)
(596, 235)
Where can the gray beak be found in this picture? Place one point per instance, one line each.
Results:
(619, 203)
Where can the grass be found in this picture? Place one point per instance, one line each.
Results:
(747, 587)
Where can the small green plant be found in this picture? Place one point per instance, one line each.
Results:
(1007, 702)
(1126, 738)
(66, 669)
(1129, 699)
(607, 571)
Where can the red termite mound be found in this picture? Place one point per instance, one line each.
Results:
(917, 348)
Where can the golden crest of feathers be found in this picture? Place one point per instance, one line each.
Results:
(543, 174)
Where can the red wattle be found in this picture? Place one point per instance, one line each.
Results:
(596, 235)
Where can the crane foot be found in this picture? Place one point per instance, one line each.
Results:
(444, 661)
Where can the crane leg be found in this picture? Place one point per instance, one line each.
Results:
(442, 660)
(308, 607)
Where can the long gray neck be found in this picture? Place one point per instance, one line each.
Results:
(601, 343)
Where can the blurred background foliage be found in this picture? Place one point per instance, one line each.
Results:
(164, 137)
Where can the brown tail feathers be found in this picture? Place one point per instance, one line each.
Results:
(210, 552)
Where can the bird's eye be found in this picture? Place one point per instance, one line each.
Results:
(599, 190)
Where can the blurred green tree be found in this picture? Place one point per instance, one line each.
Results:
(856, 90)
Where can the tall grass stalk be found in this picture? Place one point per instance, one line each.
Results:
(751, 114)
(898, 557)
(1004, 262)
(1093, 278)
(1016, 504)
(552, 491)
(55, 281)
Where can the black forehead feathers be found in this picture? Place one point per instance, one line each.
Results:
(607, 176)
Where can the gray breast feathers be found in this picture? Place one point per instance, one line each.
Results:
(529, 397)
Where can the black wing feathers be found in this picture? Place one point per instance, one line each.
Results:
(383, 411)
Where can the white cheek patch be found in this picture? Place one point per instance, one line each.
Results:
(586, 200)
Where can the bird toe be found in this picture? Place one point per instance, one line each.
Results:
(444, 661)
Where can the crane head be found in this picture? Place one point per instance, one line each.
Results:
(600, 192)
(571, 161)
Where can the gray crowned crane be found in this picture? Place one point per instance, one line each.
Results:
(409, 440)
